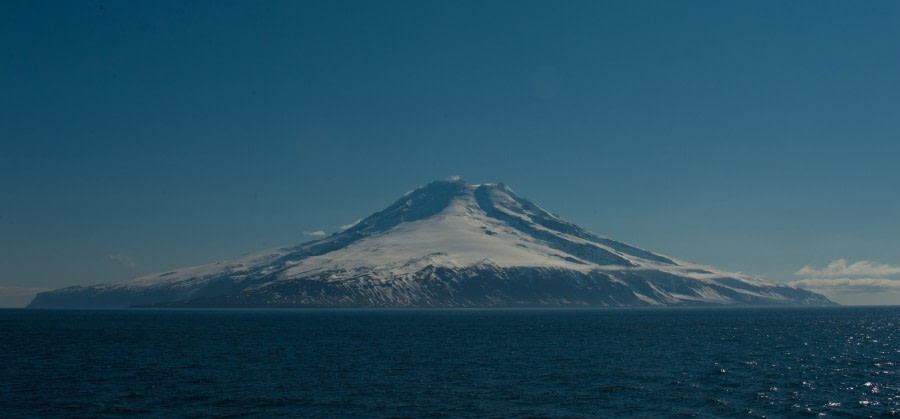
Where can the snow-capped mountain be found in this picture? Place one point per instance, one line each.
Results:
(446, 244)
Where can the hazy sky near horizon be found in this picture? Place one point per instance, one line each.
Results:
(757, 136)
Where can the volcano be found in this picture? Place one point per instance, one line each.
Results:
(445, 244)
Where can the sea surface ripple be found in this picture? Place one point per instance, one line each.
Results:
(841, 361)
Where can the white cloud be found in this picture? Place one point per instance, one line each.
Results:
(841, 269)
(834, 286)
(318, 233)
(346, 226)
(123, 259)
(842, 278)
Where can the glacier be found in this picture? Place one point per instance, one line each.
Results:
(446, 244)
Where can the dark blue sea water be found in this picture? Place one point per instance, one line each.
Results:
(692, 362)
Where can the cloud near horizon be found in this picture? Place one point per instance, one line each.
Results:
(318, 233)
(840, 268)
(841, 277)
(849, 285)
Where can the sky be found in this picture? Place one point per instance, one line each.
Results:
(759, 137)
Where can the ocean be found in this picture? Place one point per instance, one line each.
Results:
(773, 362)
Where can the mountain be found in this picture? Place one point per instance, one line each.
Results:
(445, 244)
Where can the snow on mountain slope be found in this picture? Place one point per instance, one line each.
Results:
(450, 244)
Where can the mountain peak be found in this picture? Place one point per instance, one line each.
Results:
(417, 204)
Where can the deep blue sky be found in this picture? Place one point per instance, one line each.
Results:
(141, 136)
